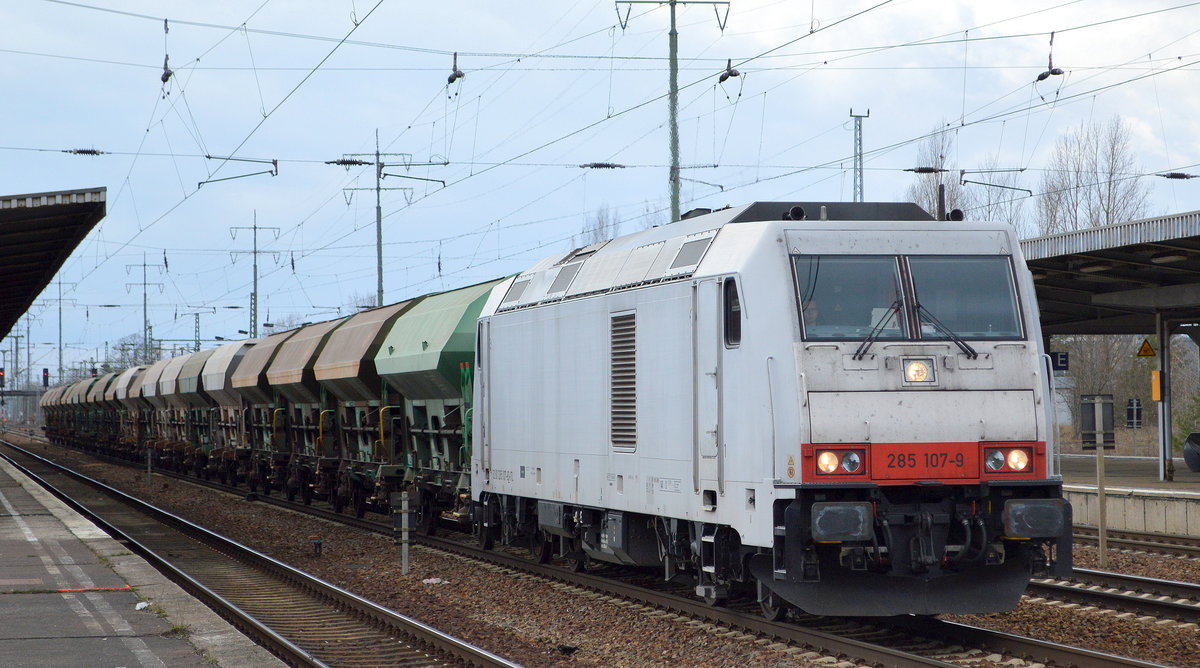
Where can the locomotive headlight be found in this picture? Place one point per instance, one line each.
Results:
(994, 460)
(851, 462)
(1018, 459)
(827, 462)
(918, 371)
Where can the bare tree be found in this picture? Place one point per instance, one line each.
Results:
(129, 351)
(1108, 365)
(360, 301)
(1185, 388)
(601, 226)
(934, 154)
(651, 216)
(1092, 179)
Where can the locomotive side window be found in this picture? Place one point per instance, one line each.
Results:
(733, 314)
(848, 297)
(971, 296)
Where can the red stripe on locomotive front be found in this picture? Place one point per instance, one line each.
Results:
(951, 462)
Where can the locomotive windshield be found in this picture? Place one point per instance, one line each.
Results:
(972, 296)
(847, 296)
(854, 297)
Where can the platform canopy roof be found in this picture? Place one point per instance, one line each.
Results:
(1114, 279)
(38, 232)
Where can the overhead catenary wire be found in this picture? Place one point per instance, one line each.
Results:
(516, 163)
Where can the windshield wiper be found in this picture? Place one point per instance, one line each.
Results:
(876, 331)
(958, 340)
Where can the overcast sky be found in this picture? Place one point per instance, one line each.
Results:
(548, 86)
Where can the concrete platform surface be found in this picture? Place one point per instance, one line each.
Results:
(70, 596)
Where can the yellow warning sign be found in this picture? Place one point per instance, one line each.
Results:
(1146, 350)
(791, 461)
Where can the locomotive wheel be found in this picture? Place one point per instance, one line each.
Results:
(772, 608)
(579, 563)
(486, 540)
(487, 534)
(541, 549)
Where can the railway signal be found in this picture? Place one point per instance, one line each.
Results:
(45, 377)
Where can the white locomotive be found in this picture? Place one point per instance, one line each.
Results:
(840, 407)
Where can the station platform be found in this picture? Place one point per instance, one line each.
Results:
(69, 596)
(1136, 499)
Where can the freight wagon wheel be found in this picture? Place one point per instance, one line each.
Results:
(427, 518)
(359, 501)
(291, 494)
(339, 502)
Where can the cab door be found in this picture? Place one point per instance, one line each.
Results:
(708, 460)
(481, 412)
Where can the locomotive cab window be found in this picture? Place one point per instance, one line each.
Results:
(956, 297)
(848, 297)
(971, 297)
(733, 314)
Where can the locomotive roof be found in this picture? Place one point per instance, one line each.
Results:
(674, 252)
(874, 211)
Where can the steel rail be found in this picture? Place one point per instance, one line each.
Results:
(1147, 541)
(1040, 651)
(1117, 598)
(1144, 585)
(260, 633)
(418, 631)
(949, 632)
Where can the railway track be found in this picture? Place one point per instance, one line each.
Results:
(1141, 541)
(1162, 599)
(893, 642)
(303, 620)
